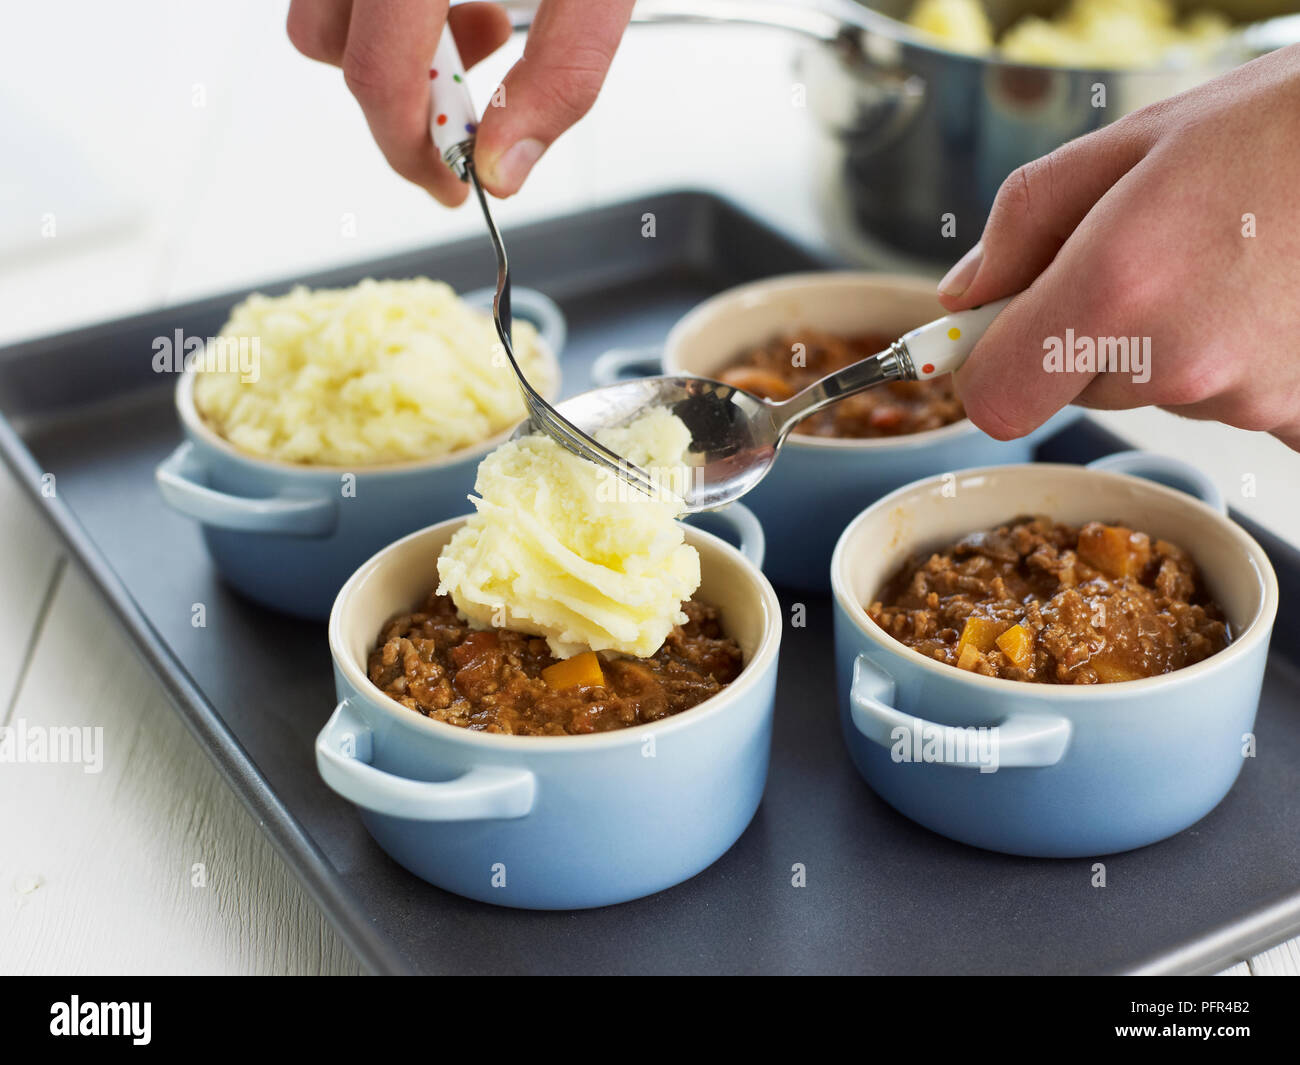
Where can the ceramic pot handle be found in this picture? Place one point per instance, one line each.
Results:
(1170, 472)
(622, 364)
(180, 480)
(740, 524)
(483, 793)
(1020, 740)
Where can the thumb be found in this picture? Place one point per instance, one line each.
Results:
(567, 54)
(1036, 210)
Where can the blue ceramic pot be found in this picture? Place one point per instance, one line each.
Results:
(288, 535)
(1038, 769)
(553, 822)
(818, 484)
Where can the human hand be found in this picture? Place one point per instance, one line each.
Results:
(1177, 223)
(385, 46)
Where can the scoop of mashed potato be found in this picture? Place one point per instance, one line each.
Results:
(561, 548)
(963, 25)
(1110, 34)
(383, 372)
(1107, 34)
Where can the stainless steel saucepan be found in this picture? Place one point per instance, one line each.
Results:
(909, 133)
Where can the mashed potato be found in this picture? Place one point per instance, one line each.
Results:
(1105, 34)
(386, 371)
(963, 24)
(557, 548)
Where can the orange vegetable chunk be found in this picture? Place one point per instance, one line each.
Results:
(763, 383)
(969, 657)
(580, 671)
(980, 633)
(1113, 549)
(1110, 671)
(1017, 643)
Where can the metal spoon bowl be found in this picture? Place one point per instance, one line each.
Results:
(733, 433)
(736, 435)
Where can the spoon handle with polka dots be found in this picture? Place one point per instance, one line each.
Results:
(941, 346)
(452, 118)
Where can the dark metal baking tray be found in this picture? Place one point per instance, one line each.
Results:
(882, 894)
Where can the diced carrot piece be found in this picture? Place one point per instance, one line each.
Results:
(1113, 549)
(980, 633)
(580, 671)
(763, 383)
(1017, 643)
(969, 657)
(886, 417)
(1111, 672)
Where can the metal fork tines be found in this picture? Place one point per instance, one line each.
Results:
(541, 414)
(549, 421)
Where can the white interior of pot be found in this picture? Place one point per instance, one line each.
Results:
(716, 332)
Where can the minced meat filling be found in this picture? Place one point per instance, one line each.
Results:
(779, 369)
(1041, 601)
(492, 680)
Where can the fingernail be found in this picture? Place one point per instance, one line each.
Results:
(958, 279)
(515, 163)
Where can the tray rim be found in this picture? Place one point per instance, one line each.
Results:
(1215, 949)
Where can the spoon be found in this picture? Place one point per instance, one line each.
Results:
(735, 435)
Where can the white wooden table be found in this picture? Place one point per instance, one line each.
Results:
(209, 155)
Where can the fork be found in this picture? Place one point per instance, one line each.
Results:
(453, 124)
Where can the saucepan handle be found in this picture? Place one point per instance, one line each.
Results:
(811, 20)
